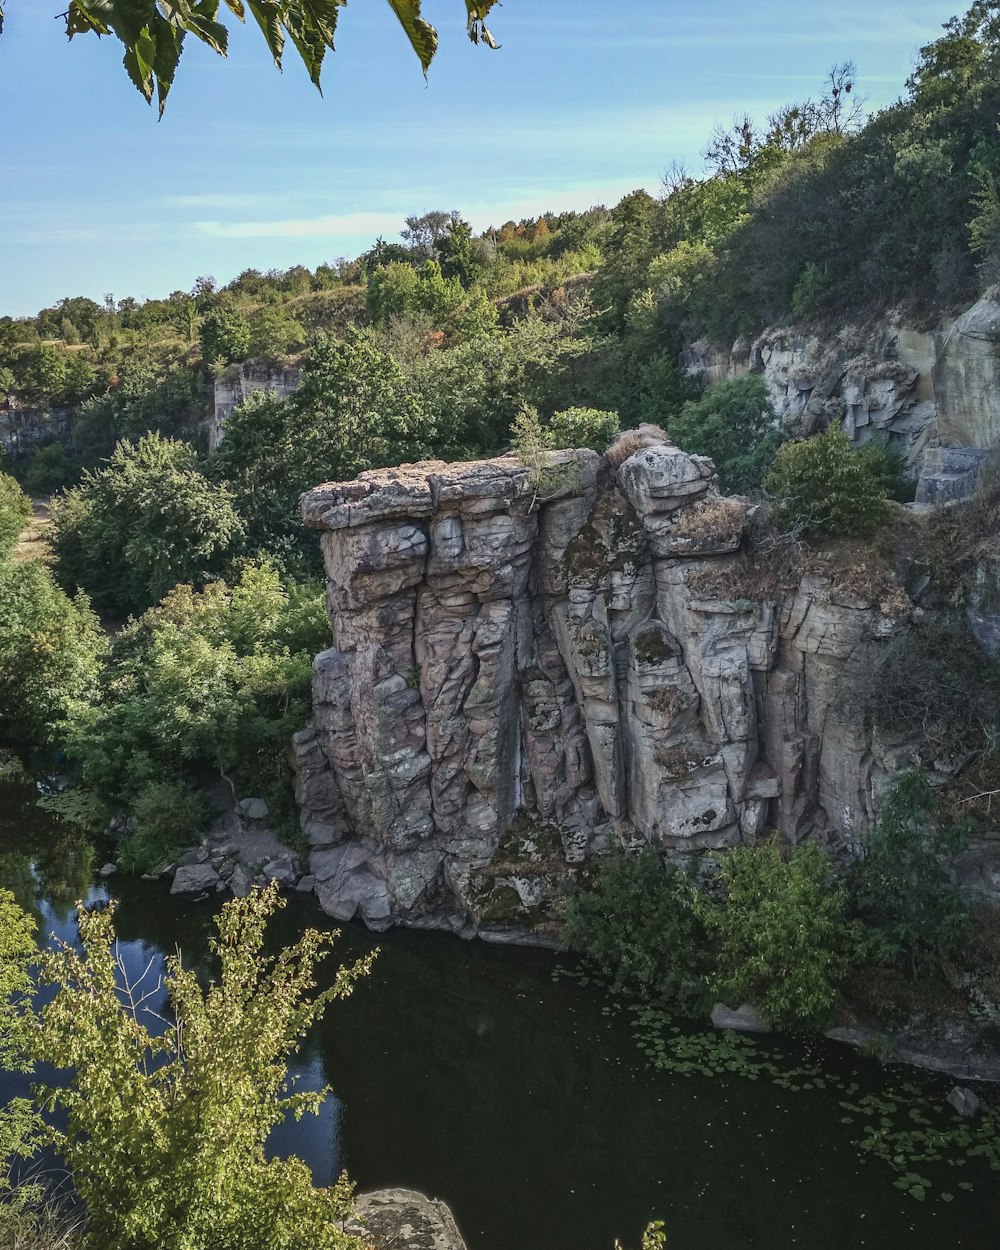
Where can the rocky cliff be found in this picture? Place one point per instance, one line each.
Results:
(932, 393)
(522, 670)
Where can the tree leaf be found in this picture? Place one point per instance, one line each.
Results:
(422, 36)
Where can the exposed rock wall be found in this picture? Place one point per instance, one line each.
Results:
(236, 384)
(519, 674)
(927, 392)
(22, 429)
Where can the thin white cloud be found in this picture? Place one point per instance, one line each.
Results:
(330, 226)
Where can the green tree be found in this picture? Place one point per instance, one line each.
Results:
(19, 1124)
(15, 508)
(638, 926)
(733, 423)
(224, 336)
(153, 33)
(903, 887)
(164, 1130)
(50, 651)
(148, 520)
(583, 427)
(782, 937)
(825, 488)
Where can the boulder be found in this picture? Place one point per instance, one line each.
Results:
(195, 879)
(252, 809)
(964, 1101)
(745, 1019)
(402, 1219)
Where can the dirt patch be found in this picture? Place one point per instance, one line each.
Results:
(34, 542)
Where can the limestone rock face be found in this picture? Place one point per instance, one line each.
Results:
(933, 394)
(520, 673)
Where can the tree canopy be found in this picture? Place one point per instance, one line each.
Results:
(153, 31)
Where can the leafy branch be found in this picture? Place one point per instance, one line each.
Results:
(153, 31)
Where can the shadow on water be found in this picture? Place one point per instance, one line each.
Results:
(465, 1071)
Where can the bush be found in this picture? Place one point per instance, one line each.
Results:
(168, 819)
(147, 521)
(638, 927)
(50, 652)
(931, 679)
(825, 488)
(810, 291)
(164, 1131)
(15, 508)
(903, 888)
(583, 427)
(224, 337)
(50, 469)
(783, 940)
(734, 424)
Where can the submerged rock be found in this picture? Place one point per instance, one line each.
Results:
(745, 1019)
(964, 1101)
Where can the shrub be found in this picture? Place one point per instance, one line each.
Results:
(146, 521)
(930, 679)
(734, 424)
(809, 291)
(824, 488)
(224, 336)
(168, 819)
(50, 469)
(15, 508)
(583, 427)
(638, 927)
(164, 1131)
(50, 651)
(782, 937)
(903, 888)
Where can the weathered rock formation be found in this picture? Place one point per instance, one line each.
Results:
(934, 394)
(521, 671)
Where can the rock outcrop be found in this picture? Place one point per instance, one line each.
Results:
(236, 384)
(402, 1219)
(933, 394)
(521, 672)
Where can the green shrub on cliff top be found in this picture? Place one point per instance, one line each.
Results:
(825, 488)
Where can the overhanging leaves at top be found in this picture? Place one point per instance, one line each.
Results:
(153, 31)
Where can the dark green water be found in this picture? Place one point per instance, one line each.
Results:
(465, 1071)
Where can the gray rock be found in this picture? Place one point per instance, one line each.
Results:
(964, 1101)
(109, 870)
(252, 809)
(284, 870)
(195, 879)
(241, 881)
(744, 1019)
(306, 884)
(401, 1219)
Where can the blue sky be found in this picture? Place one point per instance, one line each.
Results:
(586, 100)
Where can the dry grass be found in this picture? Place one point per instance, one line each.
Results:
(630, 441)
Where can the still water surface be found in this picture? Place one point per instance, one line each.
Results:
(465, 1071)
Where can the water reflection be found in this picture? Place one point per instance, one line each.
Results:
(464, 1071)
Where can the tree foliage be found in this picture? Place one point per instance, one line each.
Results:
(733, 423)
(824, 487)
(15, 508)
(782, 937)
(166, 1114)
(146, 521)
(50, 653)
(153, 31)
(903, 888)
(638, 926)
